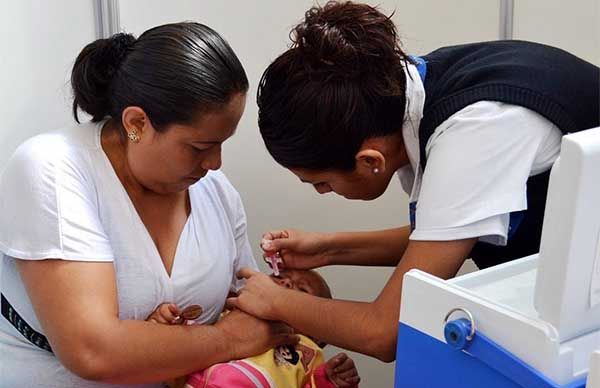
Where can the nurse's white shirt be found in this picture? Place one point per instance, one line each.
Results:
(478, 163)
(60, 198)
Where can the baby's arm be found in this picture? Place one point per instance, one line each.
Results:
(338, 371)
(169, 314)
(166, 313)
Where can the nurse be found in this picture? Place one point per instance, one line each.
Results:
(471, 131)
(104, 221)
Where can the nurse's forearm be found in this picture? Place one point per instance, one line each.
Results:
(369, 328)
(357, 326)
(377, 248)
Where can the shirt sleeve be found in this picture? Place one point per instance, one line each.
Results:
(48, 205)
(478, 163)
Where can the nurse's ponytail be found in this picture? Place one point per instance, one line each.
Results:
(173, 72)
(341, 82)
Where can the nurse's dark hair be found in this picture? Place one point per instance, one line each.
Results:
(173, 72)
(341, 82)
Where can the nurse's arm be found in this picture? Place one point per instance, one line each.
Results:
(369, 328)
(76, 304)
(303, 250)
(376, 248)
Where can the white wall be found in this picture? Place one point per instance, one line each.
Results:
(573, 26)
(40, 41)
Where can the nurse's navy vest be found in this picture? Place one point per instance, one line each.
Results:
(557, 85)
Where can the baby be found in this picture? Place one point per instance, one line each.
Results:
(301, 365)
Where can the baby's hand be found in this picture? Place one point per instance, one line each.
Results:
(341, 371)
(167, 313)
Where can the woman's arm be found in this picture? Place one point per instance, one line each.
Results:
(304, 250)
(76, 304)
(369, 328)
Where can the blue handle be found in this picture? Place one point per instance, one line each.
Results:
(456, 333)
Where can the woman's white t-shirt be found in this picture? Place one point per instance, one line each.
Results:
(60, 198)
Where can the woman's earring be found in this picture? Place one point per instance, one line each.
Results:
(133, 136)
(375, 170)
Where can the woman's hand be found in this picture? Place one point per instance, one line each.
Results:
(341, 370)
(298, 249)
(260, 295)
(234, 325)
(250, 336)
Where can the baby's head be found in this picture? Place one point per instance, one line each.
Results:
(308, 281)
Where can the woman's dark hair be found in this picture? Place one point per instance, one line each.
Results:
(172, 72)
(341, 82)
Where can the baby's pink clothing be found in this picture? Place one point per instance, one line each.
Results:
(239, 374)
(233, 374)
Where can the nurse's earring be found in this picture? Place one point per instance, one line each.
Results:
(133, 136)
(370, 161)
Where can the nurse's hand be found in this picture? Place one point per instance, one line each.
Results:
(250, 336)
(260, 296)
(298, 249)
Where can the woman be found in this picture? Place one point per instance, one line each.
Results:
(105, 221)
(472, 132)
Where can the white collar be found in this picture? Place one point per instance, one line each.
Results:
(410, 175)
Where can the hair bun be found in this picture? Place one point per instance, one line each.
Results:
(325, 41)
(93, 71)
(118, 46)
(114, 50)
(345, 39)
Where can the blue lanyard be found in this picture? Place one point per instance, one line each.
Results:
(421, 66)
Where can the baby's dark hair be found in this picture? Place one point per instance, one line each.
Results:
(341, 82)
(173, 72)
(325, 292)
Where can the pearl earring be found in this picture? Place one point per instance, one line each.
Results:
(133, 136)
(375, 170)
